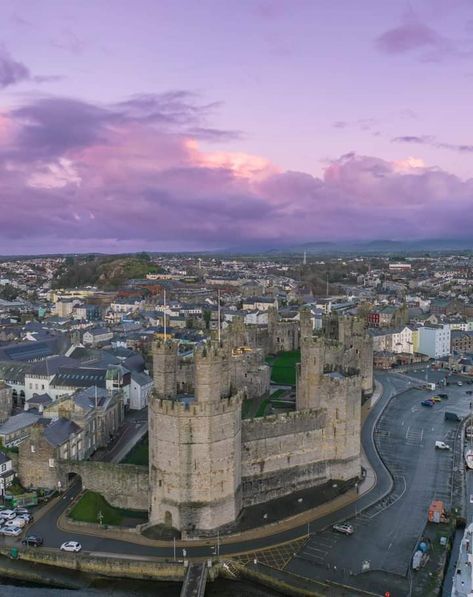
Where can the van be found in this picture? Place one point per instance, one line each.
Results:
(442, 445)
(452, 417)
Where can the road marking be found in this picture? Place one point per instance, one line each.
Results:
(316, 549)
(407, 432)
(390, 545)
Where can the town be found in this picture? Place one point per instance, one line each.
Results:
(245, 416)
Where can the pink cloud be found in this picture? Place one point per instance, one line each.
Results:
(96, 176)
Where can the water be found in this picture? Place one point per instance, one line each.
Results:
(123, 588)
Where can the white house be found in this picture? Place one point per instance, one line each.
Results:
(434, 340)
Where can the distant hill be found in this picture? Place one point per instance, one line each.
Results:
(105, 272)
(383, 246)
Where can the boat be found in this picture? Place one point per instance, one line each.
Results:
(469, 458)
(463, 577)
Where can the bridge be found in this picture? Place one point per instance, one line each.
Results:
(195, 581)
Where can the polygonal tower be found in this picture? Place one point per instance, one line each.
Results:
(195, 443)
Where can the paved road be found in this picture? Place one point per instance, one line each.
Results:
(386, 533)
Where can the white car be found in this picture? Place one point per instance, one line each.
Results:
(8, 514)
(442, 446)
(12, 531)
(16, 522)
(71, 546)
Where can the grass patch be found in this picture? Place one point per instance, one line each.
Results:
(283, 367)
(246, 409)
(139, 454)
(278, 394)
(263, 407)
(91, 504)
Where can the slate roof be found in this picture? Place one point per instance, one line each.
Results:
(76, 377)
(18, 422)
(142, 379)
(59, 431)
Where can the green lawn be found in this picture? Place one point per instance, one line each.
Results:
(263, 407)
(139, 454)
(278, 394)
(90, 504)
(283, 369)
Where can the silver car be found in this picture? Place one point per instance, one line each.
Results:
(344, 528)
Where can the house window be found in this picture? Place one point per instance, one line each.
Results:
(4, 467)
(51, 463)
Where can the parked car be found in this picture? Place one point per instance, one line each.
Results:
(469, 392)
(22, 511)
(427, 403)
(8, 514)
(16, 522)
(442, 445)
(444, 396)
(459, 383)
(33, 541)
(344, 528)
(452, 417)
(28, 517)
(71, 546)
(11, 531)
(436, 399)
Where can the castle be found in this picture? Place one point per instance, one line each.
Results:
(207, 464)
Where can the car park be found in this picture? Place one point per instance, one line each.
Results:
(429, 403)
(344, 528)
(11, 531)
(33, 541)
(71, 546)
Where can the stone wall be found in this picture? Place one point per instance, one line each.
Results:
(106, 566)
(36, 461)
(122, 485)
(6, 402)
(284, 453)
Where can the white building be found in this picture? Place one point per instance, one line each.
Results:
(140, 388)
(434, 340)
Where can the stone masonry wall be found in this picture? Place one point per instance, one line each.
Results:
(122, 485)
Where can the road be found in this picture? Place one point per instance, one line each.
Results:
(386, 533)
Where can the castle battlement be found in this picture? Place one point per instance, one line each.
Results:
(186, 408)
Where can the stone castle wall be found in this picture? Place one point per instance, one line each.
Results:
(122, 485)
(284, 453)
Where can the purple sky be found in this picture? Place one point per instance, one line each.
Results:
(205, 124)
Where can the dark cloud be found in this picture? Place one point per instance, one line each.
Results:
(409, 36)
(430, 140)
(11, 71)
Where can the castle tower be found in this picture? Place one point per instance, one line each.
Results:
(195, 449)
(164, 368)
